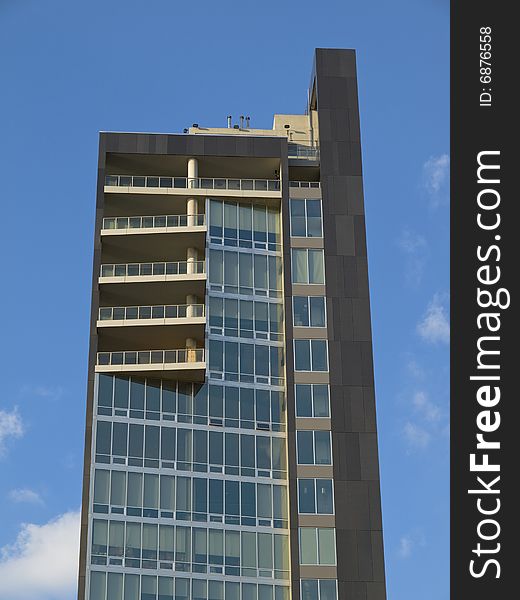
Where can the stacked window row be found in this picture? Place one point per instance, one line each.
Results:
(311, 355)
(246, 319)
(315, 497)
(245, 225)
(308, 266)
(312, 400)
(317, 546)
(245, 362)
(190, 450)
(190, 549)
(190, 499)
(306, 218)
(119, 586)
(218, 405)
(313, 448)
(318, 589)
(245, 273)
(309, 311)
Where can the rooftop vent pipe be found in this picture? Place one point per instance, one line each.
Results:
(241, 121)
(248, 121)
(229, 121)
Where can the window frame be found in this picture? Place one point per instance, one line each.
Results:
(309, 312)
(315, 488)
(314, 431)
(311, 341)
(306, 217)
(312, 386)
(308, 270)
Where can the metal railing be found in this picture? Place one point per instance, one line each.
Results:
(304, 184)
(205, 183)
(300, 151)
(129, 313)
(156, 268)
(153, 221)
(151, 357)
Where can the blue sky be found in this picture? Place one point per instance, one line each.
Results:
(71, 69)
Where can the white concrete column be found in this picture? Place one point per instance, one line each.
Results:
(193, 169)
(191, 211)
(191, 257)
(190, 301)
(191, 347)
(191, 204)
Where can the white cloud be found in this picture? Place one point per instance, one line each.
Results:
(434, 326)
(415, 369)
(25, 495)
(405, 546)
(43, 562)
(416, 436)
(11, 426)
(416, 250)
(409, 542)
(42, 391)
(426, 408)
(435, 178)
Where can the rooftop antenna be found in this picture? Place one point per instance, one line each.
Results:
(229, 121)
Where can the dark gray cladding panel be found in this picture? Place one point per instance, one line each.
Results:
(354, 438)
(193, 145)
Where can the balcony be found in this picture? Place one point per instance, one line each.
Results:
(304, 152)
(196, 186)
(153, 271)
(305, 184)
(153, 224)
(142, 326)
(112, 315)
(190, 361)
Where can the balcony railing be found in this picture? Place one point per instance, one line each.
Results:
(300, 151)
(304, 184)
(130, 313)
(156, 268)
(151, 357)
(153, 222)
(205, 183)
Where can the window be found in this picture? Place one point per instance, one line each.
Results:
(313, 447)
(244, 225)
(317, 546)
(310, 355)
(309, 311)
(315, 496)
(318, 589)
(192, 549)
(306, 218)
(312, 400)
(234, 361)
(146, 587)
(235, 272)
(191, 452)
(307, 266)
(245, 318)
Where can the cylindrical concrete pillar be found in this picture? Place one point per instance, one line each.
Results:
(191, 257)
(191, 211)
(193, 172)
(191, 350)
(191, 300)
(191, 204)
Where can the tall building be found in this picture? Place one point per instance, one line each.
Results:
(231, 448)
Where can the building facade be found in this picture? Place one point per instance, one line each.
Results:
(231, 447)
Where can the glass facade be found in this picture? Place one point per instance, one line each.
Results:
(189, 478)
